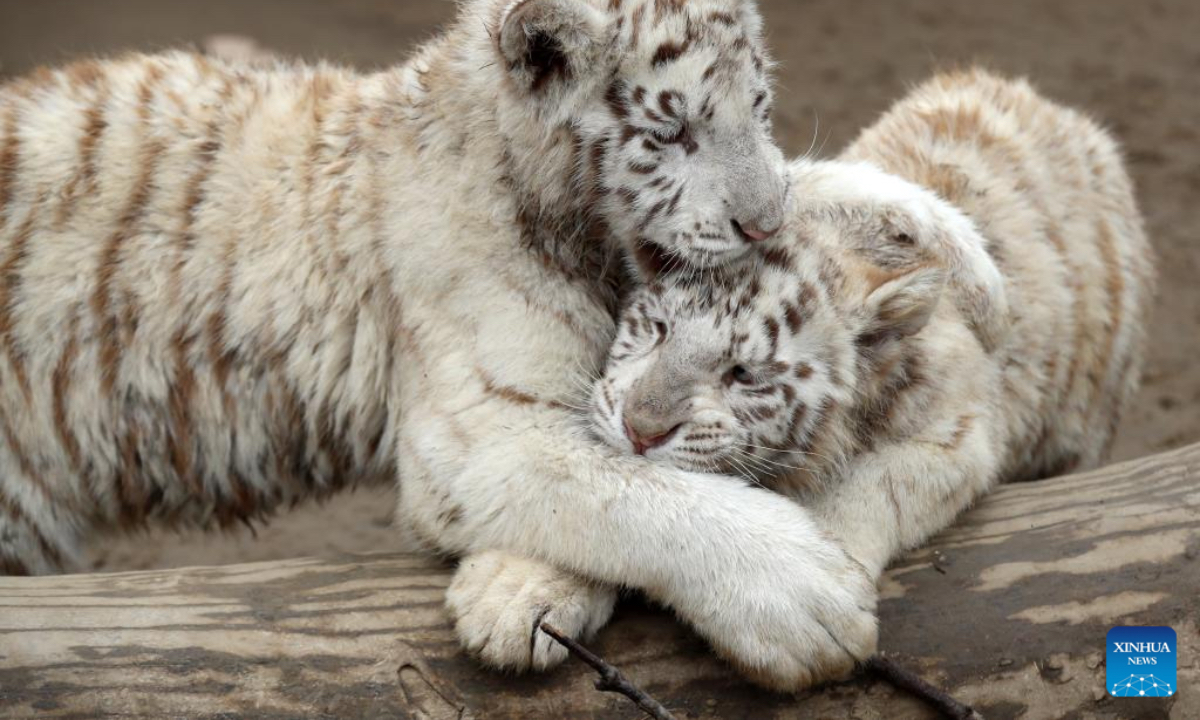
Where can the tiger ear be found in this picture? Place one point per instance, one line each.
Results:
(544, 42)
(900, 305)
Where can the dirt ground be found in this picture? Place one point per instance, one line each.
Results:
(1136, 66)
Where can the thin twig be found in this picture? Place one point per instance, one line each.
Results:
(611, 679)
(935, 696)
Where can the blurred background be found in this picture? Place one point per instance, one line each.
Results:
(1133, 65)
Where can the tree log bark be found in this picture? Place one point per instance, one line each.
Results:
(1007, 610)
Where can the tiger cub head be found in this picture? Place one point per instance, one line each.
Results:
(764, 363)
(664, 110)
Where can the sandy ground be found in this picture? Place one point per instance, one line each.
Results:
(1134, 65)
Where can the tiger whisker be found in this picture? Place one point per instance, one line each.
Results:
(826, 458)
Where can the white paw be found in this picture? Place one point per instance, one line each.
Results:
(497, 602)
(804, 626)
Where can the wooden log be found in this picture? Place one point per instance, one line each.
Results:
(1008, 610)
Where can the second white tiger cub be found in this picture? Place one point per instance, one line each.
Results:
(836, 368)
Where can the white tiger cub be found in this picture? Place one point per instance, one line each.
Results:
(832, 371)
(831, 368)
(224, 289)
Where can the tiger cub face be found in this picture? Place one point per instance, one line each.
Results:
(725, 378)
(668, 108)
(760, 363)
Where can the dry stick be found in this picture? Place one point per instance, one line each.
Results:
(611, 679)
(906, 680)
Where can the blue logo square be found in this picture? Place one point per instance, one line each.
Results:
(1141, 662)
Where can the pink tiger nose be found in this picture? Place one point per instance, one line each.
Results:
(642, 442)
(753, 233)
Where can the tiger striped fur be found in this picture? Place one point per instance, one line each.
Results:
(834, 368)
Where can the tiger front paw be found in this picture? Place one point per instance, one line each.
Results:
(498, 601)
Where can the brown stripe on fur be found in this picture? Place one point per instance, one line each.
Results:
(798, 414)
(961, 428)
(60, 386)
(12, 566)
(793, 317)
(614, 97)
(219, 355)
(1114, 289)
(131, 495)
(763, 412)
(10, 283)
(673, 206)
(636, 26)
(777, 256)
(10, 507)
(10, 152)
(15, 567)
(667, 52)
(961, 124)
(179, 403)
(319, 91)
(772, 327)
(336, 449)
(722, 17)
(242, 505)
(1114, 411)
(84, 74)
(25, 464)
(194, 189)
(350, 129)
(948, 181)
(110, 259)
(662, 8)
(40, 77)
(505, 392)
(893, 498)
(532, 300)
(291, 456)
(1080, 338)
(876, 277)
(111, 345)
(183, 384)
(668, 102)
(873, 418)
(83, 181)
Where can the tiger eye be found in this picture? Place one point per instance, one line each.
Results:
(739, 374)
